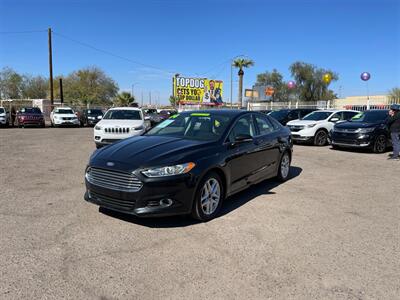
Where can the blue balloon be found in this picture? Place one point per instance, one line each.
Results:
(365, 76)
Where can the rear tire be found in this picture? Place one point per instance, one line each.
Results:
(380, 144)
(209, 197)
(320, 138)
(284, 167)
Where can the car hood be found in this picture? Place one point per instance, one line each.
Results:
(30, 115)
(303, 122)
(65, 115)
(148, 151)
(354, 125)
(121, 123)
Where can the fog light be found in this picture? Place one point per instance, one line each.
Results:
(96, 138)
(166, 202)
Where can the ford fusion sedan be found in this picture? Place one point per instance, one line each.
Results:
(30, 116)
(367, 129)
(63, 116)
(189, 164)
(119, 123)
(315, 127)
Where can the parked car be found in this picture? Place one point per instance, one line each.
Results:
(30, 116)
(63, 116)
(283, 116)
(189, 164)
(165, 114)
(90, 117)
(316, 126)
(265, 111)
(367, 129)
(119, 123)
(152, 116)
(4, 117)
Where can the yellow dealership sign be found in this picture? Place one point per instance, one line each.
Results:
(198, 90)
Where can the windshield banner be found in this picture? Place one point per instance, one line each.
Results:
(198, 91)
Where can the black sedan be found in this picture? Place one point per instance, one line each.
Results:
(189, 163)
(367, 129)
(283, 116)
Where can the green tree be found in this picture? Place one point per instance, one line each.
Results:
(394, 95)
(35, 87)
(173, 100)
(242, 63)
(309, 83)
(88, 86)
(11, 84)
(124, 99)
(275, 80)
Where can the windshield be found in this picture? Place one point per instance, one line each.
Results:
(196, 126)
(94, 112)
(31, 110)
(279, 114)
(2, 110)
(124, 114)
(370, 116)
(64, 111)
(317, 116)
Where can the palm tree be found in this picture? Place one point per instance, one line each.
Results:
(124, 99)
(241, 63)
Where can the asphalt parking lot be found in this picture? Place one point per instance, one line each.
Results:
(331, 232)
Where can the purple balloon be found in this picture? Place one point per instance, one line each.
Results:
(365, 76)
(291, 84)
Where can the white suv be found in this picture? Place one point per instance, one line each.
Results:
(63, 116)
(4, 117)
(119, 123)
(315, 127)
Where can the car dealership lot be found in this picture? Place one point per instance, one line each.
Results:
(331, 232)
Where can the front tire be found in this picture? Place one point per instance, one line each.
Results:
(380, 144)
(284, 167)
(320, 138)
(209, 197)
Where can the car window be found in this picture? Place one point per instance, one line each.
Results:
(264, 125)
(337, 115)
(304, 113)
(347, 115)
(275, 123)
(244, 125)
(293, 115)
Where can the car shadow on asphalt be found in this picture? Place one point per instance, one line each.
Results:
(230, 204)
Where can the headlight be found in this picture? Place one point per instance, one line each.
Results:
(55, 117)
(138, 128)
(97, 127)
(365, 130)
(169, 170)
(91, 118)
(311, 125)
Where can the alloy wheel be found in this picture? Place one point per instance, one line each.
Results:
(210, 196)
(380, 144)
(321, 138)
(285, 165)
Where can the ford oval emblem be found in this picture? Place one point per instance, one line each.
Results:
(110, 164)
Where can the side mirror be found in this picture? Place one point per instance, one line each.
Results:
(243, 138)
(334, 120)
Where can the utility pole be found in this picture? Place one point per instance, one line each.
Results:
(150, 98)
(142, 99)
(51, 70)
(231, 80)
(61, 92)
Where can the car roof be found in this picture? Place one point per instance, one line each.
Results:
(230, 112)
(62, 107)
(125, 108)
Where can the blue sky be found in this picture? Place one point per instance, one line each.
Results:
(197, 38)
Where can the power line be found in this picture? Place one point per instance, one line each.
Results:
(21, 32)
(112, 54)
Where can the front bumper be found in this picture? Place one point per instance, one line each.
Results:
(3, 121)
(151, 200)
(59, 122)
(31, 122)
(300, 138)
(101, 138)
(352, 140)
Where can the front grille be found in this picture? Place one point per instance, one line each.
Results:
(112, 202)
(116, 130)
(113, 180)
(67, 119)
(295, 128)
(345, 130)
